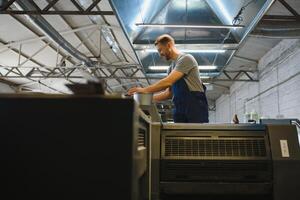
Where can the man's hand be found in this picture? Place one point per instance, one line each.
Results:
(133, 90)
(160, 85)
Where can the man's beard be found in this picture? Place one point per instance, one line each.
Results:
(168, 57)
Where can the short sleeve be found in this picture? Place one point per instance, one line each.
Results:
(185, 64)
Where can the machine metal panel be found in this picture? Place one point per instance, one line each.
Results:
(191, 126)
(286, 169)
(68, 146)
(215, 155)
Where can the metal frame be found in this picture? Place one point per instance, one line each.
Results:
(6, 9)
(279, 17)
(237, 74)
(83, 28)
(287, 6)
(84, 39)
(245, 59)
(98, 72)
(68, 72)
(45, 73)
(230, 76)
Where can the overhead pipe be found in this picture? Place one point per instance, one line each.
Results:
(40, 22)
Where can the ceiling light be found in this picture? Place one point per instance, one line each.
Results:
(200, 67)
(191, 50)
(207, 67)
(188, 26)
(204, 77)
(158, 68)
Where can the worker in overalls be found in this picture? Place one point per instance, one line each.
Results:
(183, 84)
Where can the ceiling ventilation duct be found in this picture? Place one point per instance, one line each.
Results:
(53, 34)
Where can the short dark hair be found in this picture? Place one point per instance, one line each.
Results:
(164, 39)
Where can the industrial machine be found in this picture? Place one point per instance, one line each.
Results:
(245, 161)
(72, 147)
(89, 147)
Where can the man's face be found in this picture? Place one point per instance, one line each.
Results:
(164, 50)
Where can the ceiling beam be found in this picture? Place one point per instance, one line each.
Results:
(10, 83)
(245, 59)
(93, 5)
(66, 72)
(88, 27)
(84, 38)
(5, 9)
(287, 6)
(37, 12)
(23, 55)
(53, 47)
(281, 27)
(50, 5)
(6, 6)
(279, 18)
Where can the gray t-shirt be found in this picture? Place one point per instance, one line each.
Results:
(188, 65)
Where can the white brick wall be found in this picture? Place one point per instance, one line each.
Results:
(223, 109)
(277, 93)
(212, 116)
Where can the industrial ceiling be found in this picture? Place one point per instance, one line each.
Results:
(45, 44)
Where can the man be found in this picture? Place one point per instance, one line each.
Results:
(183, 83)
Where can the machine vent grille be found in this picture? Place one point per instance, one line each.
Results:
(141, 138)
(203, 147)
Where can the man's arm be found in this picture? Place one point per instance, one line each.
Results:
(160, 85)
(167, 94)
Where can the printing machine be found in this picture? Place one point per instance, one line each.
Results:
(225, 161)
(92, 146)
(73, 147)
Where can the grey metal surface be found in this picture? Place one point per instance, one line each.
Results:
(189, 12)
(143, 98)
(286, 161)
(191, 126)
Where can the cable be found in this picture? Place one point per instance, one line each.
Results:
(237, 20)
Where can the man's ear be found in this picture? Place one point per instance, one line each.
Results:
(168, 45)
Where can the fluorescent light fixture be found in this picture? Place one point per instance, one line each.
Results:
(191, 50)
(200, 67)
(158, 68)
(207, 67)
(188, 26)
(204, 77)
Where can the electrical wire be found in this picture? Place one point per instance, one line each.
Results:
(237, 20)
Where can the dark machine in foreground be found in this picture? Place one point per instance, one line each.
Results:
(92, 147)
(72, 147)
(226, 161)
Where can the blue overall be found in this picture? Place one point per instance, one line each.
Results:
(190, 106)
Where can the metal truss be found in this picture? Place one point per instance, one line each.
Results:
(212, 107)
(237, 75)
(100, 72)
(229, 76)
(6, 9)
(289, 8)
